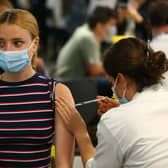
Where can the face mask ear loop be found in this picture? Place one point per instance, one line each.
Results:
(148, 47)
(113, 89)
(115, 83)
(124, 93)
(31, 45)
(28, 49)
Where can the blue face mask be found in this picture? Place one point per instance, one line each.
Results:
(14, 61)
(122, 100)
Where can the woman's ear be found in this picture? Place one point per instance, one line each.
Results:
(36, 44)
(122, 79)
(34, 47)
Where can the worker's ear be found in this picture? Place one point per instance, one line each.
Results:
(122, 80)
(121, 85)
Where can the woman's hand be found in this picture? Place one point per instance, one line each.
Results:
(76, 125)
(105, 104)
(70, 116)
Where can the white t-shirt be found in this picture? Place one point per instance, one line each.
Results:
(56, 7)
(160, 43)
(94, 3)
(78, 53)
(134, 135)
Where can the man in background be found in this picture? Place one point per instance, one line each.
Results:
(81, 55)
(158, 13)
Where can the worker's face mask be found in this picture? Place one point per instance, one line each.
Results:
(122, 100)
(14, 61)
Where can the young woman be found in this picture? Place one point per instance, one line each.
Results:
(133, 134)
(27, 116)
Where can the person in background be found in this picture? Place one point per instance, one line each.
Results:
(138, 10)
(66, 17)
(159, 25)
(28, 119)
(77, 15)
(81, 57)
(158, 15)
(94, 3)
(133, 18)
(133, 134)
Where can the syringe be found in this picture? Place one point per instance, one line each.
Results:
(88, 102)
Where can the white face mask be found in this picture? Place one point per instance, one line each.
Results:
(110, 34)
(14, 61)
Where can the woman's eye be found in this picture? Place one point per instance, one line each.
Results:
(2, 44)
(18, 43)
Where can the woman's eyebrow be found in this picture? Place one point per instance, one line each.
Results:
(17, 38)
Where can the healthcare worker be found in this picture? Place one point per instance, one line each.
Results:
(134, 134)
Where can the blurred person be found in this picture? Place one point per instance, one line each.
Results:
(158, 13)
(133, 134)
(66, 17)
(113, 30)
(80, 56)
(94, 3)
(133, 18)
(41, 12)
(142, 27)
(60, 10)
(77, 15)
(28, 119)
(128, 16)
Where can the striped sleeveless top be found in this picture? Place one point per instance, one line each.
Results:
(26, 122)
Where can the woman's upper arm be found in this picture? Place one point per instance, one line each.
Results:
(64, 140)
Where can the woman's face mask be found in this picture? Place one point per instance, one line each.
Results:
(122, 100)
(14, 61)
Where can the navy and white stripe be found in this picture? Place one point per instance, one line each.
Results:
(26, 122)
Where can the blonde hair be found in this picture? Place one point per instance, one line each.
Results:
(6, 3)
(23, 19)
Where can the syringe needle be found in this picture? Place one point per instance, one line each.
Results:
(88, 102)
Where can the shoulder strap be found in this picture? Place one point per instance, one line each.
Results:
(52, 91)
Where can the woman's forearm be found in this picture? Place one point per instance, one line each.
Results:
(85, 146)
